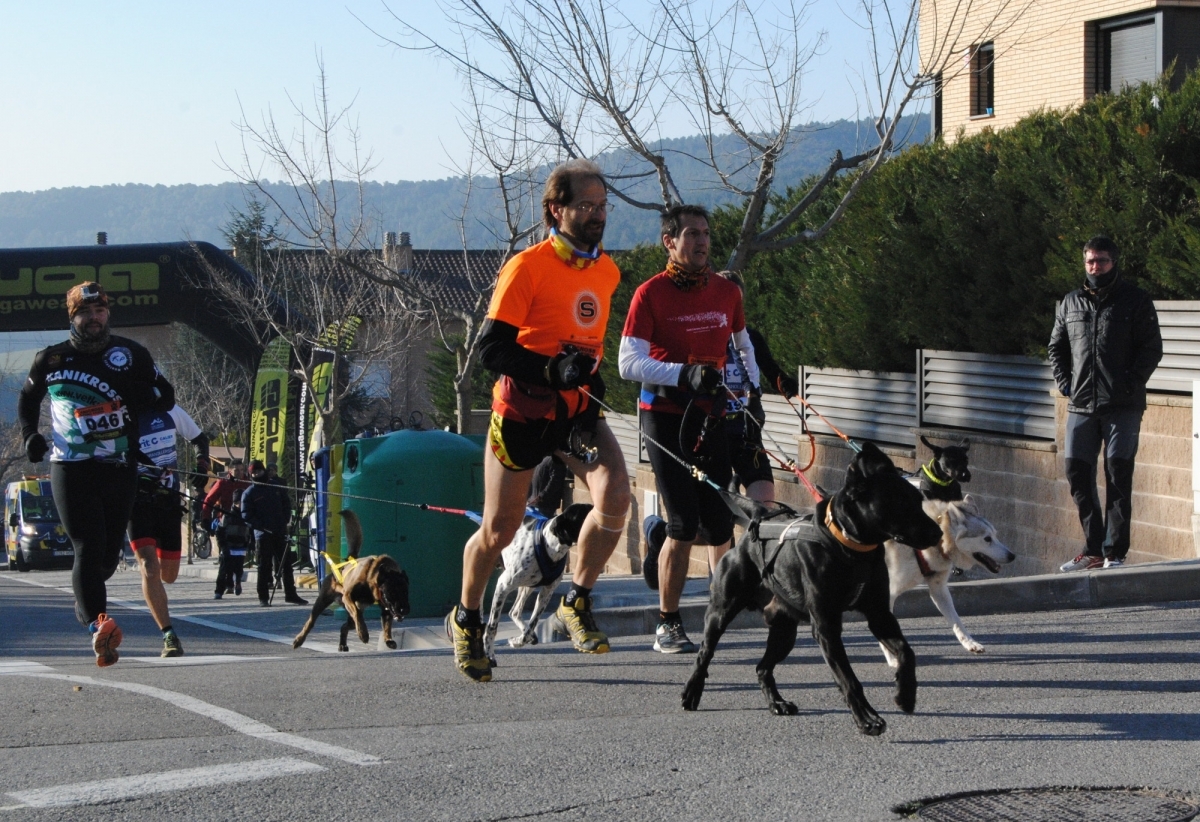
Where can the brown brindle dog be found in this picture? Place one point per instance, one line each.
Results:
(374, 580)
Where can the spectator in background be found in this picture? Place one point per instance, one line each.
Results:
(233, 539)
(224, 494)
(267, 509)
(1104, 347)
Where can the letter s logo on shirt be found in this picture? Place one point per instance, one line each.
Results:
(587, 309)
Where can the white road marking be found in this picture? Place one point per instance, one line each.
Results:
(322, 647)
(130, 787)
(231, 719)
(214, 659)
(314, 645)
(22, 666)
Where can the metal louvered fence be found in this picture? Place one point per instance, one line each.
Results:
(868, 405)
(986, 392)
(1179, 322)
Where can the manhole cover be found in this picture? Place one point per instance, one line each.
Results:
(1056, 805)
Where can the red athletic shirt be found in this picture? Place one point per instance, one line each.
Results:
(684, 327)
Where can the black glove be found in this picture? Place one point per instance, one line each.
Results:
(787, 386)
(36, 447)
(756, 410)
(700, 379)
(569, 370)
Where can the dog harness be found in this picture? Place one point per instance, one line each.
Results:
(927, 470)
(771, 537)
(336, 567)
(550, 569)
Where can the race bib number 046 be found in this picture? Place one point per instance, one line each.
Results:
(105, 421)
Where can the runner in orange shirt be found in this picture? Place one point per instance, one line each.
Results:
(544, 336)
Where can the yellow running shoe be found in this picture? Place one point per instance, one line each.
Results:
(468, 649)
(578, 622)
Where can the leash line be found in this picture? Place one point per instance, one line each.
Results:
(855, 446)
(691, 469)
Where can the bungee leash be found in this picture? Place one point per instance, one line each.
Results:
(855, 446)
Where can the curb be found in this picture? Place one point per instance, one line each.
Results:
(625, 607)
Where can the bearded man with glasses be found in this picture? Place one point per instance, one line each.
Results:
(544, 337)
(1104, 347)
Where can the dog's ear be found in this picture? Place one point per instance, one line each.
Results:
(966, 445)
(868, 462)
(970, 504)
(567, 525)
(937, 452)
(744, 509)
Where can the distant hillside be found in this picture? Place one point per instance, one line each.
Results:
(427, 209)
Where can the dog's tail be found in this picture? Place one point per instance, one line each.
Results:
(354, 532)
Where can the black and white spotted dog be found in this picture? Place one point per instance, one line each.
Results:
(536, 558)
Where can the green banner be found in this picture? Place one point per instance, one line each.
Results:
(268, 415)
(337, 338)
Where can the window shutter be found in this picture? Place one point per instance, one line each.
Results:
(1132, 53)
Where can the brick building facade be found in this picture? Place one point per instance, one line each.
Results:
(1002, 60)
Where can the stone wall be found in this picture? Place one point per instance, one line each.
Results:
(1020, 486)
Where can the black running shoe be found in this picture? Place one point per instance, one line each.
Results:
(654, 531)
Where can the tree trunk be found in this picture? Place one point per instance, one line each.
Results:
(463, 398)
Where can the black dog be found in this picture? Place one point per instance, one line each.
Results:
(940, 477)
(812, 569)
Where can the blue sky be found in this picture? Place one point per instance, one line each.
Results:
(148, 92)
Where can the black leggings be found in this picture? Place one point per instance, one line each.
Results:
(94, 501)
(694, 508)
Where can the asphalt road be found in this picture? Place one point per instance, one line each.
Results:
(243, 727)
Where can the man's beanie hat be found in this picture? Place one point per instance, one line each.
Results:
(88, 293)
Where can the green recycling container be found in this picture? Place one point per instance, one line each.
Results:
(430, 467)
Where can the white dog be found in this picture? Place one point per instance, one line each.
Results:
(536, 558)
(967, 540)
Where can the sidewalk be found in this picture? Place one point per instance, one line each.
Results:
(626, 607)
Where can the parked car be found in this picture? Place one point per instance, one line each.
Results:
(33, 534)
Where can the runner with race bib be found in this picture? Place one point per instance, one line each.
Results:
(98, 385)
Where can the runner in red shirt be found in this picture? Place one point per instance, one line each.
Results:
(675, 343)
(544, 336)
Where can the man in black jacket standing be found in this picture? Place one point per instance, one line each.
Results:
(267, 509)
(1104, 347)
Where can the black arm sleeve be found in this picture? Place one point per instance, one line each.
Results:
(769, 370)
(499, 351)
(1059, 352)
(166, 394)
(29, 401)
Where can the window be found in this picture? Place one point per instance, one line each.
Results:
(1128, 52)
(983, 65)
